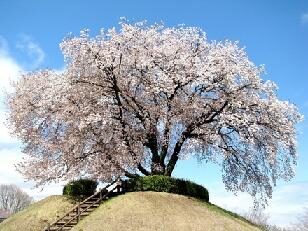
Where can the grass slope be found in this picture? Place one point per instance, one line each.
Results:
(134, 211)
(161, 211)
(34, 217)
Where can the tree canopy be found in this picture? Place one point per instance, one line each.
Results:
(135, 100)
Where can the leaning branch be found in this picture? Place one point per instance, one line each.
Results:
(143, 170)
(185, 135)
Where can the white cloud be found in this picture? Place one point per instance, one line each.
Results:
(287, 203)
(237, 203)
(9, 68)
(8, 158)
(5, 137)
(304, 18)
(10, 153)
(9, 175)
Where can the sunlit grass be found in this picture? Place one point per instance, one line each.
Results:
(35, 216)
(161, 211)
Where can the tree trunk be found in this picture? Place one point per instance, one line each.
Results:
(157, 168)
(171, 165)
(175, 155)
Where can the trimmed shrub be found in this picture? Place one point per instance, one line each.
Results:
(159, 183)
(80, 188)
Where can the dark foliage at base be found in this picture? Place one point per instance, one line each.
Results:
(160, 183)
(80, 188)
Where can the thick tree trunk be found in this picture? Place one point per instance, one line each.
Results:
(157, 168)
(175, 155)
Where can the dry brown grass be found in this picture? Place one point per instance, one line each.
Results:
(160, 211)
(34, 217)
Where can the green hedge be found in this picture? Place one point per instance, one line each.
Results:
(80, 188)
(160, 183)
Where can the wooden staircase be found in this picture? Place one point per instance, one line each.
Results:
(84, 208)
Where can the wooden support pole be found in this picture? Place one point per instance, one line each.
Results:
(78, 212)
(118, 188)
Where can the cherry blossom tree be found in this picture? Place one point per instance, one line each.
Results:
(136, 100)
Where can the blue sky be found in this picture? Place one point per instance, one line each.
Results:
(275, 33)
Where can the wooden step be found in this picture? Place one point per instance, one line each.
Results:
(58, 228)
(63, 222)
(87, 210)
(86, 206)
(90, 202)
(93, 199)
(65, 219)
(64, 228)
(67, 225)
(84, 214)
(90, 209)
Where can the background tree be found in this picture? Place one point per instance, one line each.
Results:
(257, 216)
(13, 199)
(302, 222)
(136, 100)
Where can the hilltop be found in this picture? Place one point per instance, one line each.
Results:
(134, 211)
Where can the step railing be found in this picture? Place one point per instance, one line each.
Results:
(103, 193)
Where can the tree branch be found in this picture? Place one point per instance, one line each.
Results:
(130, 175)
(143, 170)
(174, 157)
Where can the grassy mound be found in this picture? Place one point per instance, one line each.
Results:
(35, 216)
(161, 211)
(133, 211)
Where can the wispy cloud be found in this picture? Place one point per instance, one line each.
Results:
(3, 46)
(33, 50)
(304, 18)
